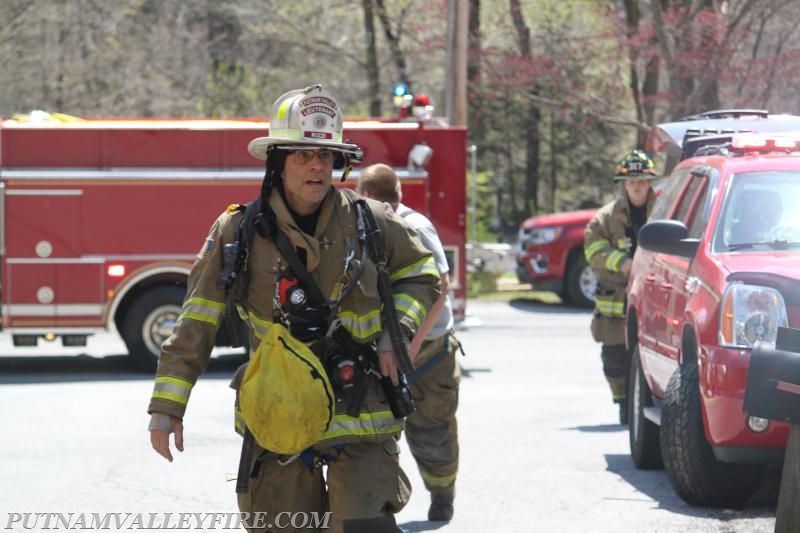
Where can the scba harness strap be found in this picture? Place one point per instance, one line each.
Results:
(435, 359)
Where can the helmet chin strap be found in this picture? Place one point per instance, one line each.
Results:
(347, 168)
(356, 155)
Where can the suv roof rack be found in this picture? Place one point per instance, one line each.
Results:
(728, 113)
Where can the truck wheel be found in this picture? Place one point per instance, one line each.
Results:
(642, 433)
(580, 283)
(148, 322)
(697, 475)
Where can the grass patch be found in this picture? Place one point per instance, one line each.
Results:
(518, 294)
(492, 286)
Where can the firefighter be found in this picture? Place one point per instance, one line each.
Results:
(363, 485)
(431, 431)
(609, 245)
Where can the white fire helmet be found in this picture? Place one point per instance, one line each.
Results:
(309, 117)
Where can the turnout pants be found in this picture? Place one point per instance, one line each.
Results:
(365, 488)
(616, 361)
(431, 431)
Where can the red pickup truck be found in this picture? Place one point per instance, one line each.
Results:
(550, 256)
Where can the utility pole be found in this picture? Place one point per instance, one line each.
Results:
(457, 28)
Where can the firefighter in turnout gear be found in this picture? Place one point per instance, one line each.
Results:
(432, 431)
(306, 284)
(609, 245)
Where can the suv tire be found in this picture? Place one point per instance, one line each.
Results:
(697, 475)
(580, 283)
(643, 434)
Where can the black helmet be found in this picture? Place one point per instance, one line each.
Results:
(636, 164)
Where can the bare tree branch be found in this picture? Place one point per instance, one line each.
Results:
(587, 110)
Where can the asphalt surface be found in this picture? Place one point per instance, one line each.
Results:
(541, 449)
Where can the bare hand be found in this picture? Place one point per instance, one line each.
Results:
(159, 438)
(625, 268)
(414, 347)
(388, 366)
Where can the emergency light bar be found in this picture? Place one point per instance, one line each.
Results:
(765, 142)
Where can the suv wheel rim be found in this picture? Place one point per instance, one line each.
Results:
(588, 283)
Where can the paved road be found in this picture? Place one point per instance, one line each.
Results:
(541, 451)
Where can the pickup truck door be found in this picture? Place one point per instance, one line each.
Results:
(2, 250)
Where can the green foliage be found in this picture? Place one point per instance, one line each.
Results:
(480, 194)
(230, 92)
(571, 78)
(551, 119)
(479, 283)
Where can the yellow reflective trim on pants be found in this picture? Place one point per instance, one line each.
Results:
(410, 307)
(610, 307)
(202, 310)
(438, 481)
(421, 267)
(361, 327)
(614, 259)
(368, 424)
(595, 247)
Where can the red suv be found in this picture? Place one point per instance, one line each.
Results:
(550, 256)
(717, 268)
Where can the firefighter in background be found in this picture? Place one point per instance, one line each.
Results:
(431, 431)
(609, 245)
(364, 485)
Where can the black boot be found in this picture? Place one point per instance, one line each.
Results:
(384, 524)
(441, 509)
(623, 412)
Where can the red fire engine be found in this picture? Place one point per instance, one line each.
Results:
(101, 219)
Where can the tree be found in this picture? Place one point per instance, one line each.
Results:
(372, 68)
(552, 103)
(644, 94)
(531, 110)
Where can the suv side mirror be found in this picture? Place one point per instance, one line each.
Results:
(668, 237)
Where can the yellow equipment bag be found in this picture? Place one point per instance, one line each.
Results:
(285, 399)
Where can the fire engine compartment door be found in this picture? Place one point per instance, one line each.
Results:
(2, 248)
(42, 245)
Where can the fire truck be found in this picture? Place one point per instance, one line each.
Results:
(101, 219)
